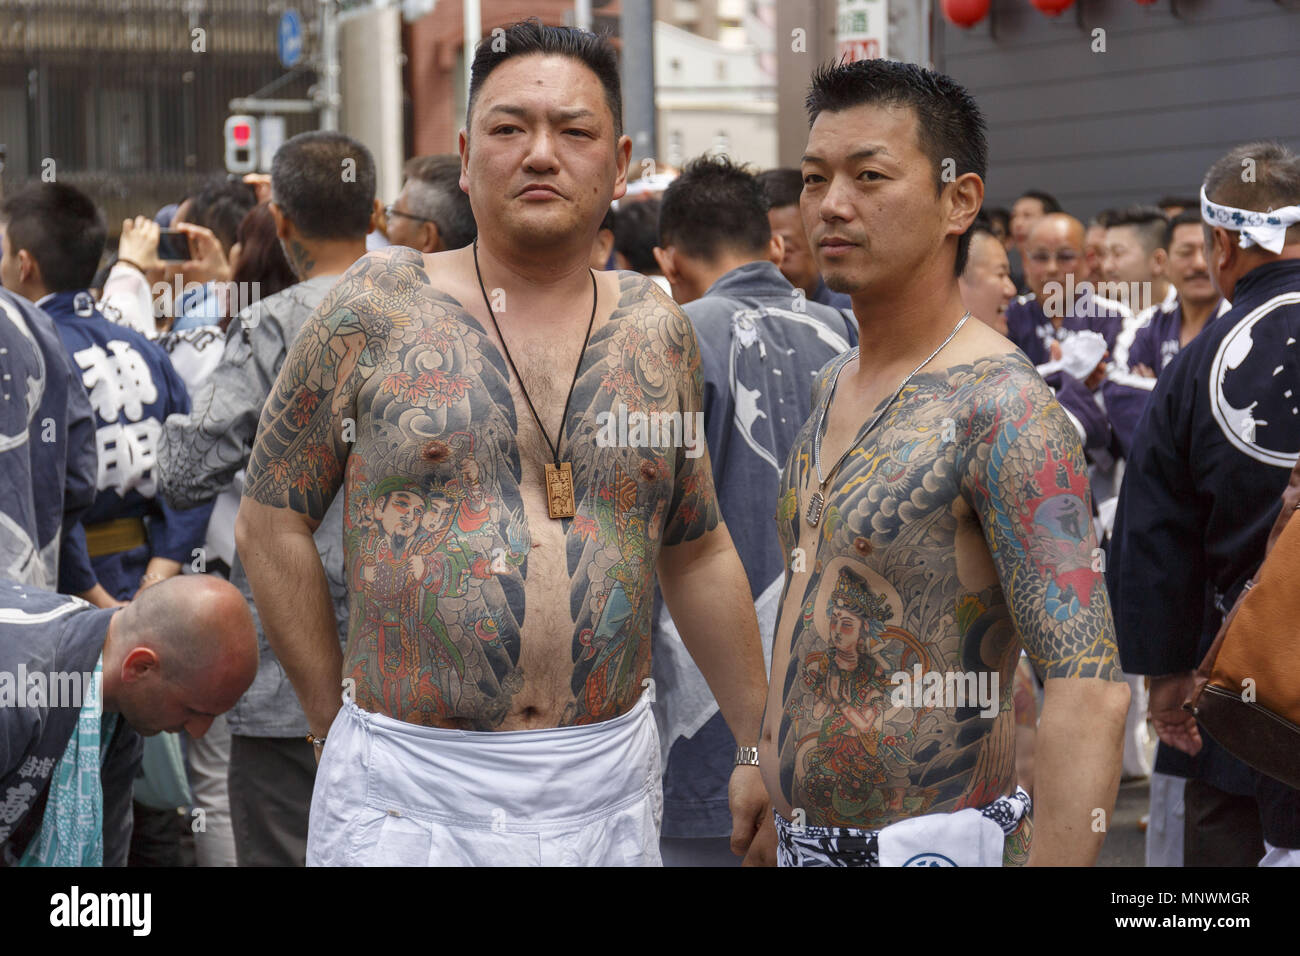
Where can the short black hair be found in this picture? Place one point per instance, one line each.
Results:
(949, 124)
(1188, 217)
(1148, 222)
(221, 205)
(531, 36)
(714, 205)
(996, 215)
(434, 192)
(1048, 201)
(783, 186)
(1187, 202)
(318, 191)
(61, 228)
(636, 233)
(1274, 185)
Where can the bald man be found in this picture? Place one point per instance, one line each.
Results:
(1059, 303)
(78, 682)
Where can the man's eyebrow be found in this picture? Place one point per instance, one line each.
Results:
(867, 152)
(564, 115)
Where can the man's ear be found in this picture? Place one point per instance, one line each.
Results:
(622, 157)
(1225, 249)
(462, 146)
(283, 228)
(376, 217)
(965, 196)
(29, 269)
(776, 250)
(667, 263)
(138, 663)
(430, 238)
(1159, 262)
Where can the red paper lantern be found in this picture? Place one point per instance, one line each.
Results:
(965, 13)
(1053, 8)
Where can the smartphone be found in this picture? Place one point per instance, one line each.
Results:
(173, 246)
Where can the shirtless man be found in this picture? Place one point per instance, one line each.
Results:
(545, 750)
(954, 530)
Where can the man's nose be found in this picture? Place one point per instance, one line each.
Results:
(836, 202)
(198, 726)
(541, 153)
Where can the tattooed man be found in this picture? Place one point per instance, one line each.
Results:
(925, 547)
(501, 552)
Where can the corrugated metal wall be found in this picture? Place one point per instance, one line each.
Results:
(118, 96)
(1172, 93)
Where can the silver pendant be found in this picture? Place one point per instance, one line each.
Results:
(815, 505)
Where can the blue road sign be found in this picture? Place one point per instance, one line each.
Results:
(289, 38)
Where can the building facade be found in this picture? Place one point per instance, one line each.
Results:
(128, 101)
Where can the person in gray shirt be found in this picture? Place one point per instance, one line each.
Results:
(322, 220)
(761, 343)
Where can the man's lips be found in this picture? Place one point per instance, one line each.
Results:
(539, 189)
(834, 246)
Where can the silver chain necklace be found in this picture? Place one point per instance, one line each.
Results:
(818, 500)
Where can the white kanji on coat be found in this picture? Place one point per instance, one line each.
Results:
(117, 382)
(126, 456)
(36, 767)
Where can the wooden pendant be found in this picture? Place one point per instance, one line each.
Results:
(815, 505)
(559, 490)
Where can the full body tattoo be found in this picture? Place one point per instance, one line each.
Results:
(959, 528)
(397, 391)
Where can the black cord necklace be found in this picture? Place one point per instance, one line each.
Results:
(560, 502)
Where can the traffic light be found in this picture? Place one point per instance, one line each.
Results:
(241, 144)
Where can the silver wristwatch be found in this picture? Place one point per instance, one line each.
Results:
(747, 756)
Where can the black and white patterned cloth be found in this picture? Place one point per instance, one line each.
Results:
(849, 846)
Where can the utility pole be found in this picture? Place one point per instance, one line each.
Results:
(637, 27)
(329, 56)
(473, 33)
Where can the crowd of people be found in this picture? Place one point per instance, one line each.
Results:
(325, 500)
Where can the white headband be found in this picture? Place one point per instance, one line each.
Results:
(1267, 229)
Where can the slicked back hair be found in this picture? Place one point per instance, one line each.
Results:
(316, 187)
(783, 187)
(531, 36)
(949, 124)
(714, 206)
(1148, 222)
(433, 191)
(1274, 180)
(61, 228)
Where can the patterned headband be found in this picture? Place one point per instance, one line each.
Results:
(1267, 229)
